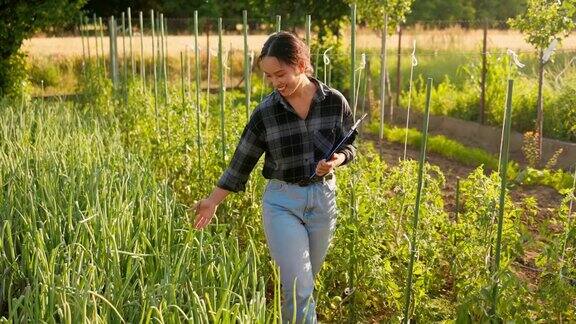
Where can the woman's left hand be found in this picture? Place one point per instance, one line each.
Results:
(325, 167)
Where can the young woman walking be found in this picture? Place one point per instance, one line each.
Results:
(295, 126)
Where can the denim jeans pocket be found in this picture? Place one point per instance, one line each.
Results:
(330, 184)
(275, 185)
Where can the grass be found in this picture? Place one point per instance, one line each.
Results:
(88, 232)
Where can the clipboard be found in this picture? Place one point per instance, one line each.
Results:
(346, 138)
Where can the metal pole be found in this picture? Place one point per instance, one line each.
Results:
(353, 60)
(413, 241)
(81, 28)
(483, 76)
(102, 43)
(154, 74)
(95, 21)
(221, 91)
(383, 79)
(113, 51)
(247, 66)
(87, 38)
(308, 27)
(131, 47)
(398, 73)
(142, 60)
(278, 23)
(503, 183)
(124, 65)
(197, 72)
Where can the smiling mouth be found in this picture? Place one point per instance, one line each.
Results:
(281, 88)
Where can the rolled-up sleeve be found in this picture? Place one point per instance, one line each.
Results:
(348, 148)
(247, 153)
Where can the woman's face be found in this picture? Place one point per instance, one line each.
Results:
(284, 77)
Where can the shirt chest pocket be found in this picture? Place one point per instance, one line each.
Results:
(325, 137)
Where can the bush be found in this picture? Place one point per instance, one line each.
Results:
(462, 100)
(46, 74)
(14, 79)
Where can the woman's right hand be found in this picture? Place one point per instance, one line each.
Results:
(204, 211)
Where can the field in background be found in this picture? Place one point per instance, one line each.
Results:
(454, 38)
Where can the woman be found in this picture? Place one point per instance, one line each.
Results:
(295, 126)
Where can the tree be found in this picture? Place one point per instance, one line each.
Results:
(20, 19)
(372, 12)
(544, 22)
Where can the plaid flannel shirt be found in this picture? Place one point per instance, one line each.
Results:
(292, 146)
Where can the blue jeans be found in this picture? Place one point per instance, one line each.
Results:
(299, 223)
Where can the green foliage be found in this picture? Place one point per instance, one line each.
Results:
(545, 20)
(463, 10)
(338, 71)
(18, 21)
(79, 174)
(88, 233)
(13, 77)
(557, 293)
(372, 12)
(462, 100)
(96, 90)
(444, 146)
(473, 239)
(557, 179)
(48, 75)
